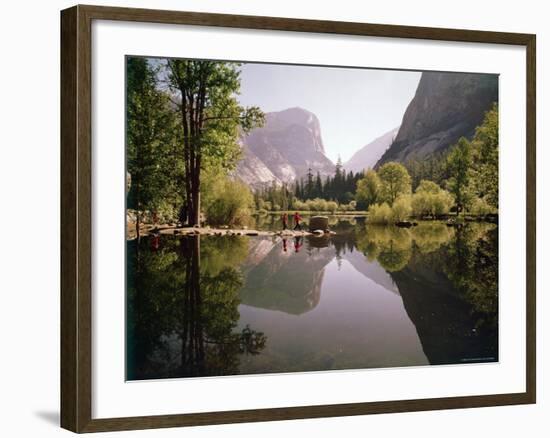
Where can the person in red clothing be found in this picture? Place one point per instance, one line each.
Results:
(297, 220)
(284, 218)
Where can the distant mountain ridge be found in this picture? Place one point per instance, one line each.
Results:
(445, 107)
(368, 155)
(284, 149)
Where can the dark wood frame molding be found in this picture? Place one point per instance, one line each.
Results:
(76, 225)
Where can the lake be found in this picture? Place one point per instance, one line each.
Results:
(368, 297)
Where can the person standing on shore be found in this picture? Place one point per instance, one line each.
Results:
(297, 220)
(284, 218)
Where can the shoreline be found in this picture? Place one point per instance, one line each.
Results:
(174, 230)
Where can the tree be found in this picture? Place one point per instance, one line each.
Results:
(318, 185)
(309, 184)
(460, 162)
(430, 199)
(150, 141)
(368, 189)
(485, 151)
(210, 119)
(394, 181)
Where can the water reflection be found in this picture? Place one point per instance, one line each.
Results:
(183, 309)
(367, 297)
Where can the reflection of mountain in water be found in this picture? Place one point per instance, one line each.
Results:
(371, 270)
(443, 318)
(288, 281)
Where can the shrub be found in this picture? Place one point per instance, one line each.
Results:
(380, 213)
(430, 199)
(317, 204)
(299, 205)
(420, 203)
(401, 209)
(481, 207)
(229, 203)
(332, 206)
(442, 202)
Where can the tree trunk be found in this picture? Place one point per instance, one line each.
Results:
(196, 218)
(137, 224)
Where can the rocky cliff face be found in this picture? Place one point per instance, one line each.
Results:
(446, 106)
(284, 149)
(368, 155)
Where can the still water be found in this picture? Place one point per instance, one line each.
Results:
(370, 296)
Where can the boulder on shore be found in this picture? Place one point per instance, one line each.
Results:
(318, 223)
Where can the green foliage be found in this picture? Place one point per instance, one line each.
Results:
(394, 181)
(481, 207)
(401, 209)
(150, 142)
(380, 213)
(430, 199)
(226, 201)
(332, 206)
(210, 120)
(432, 168)
(348, 207)
(485, 151)
(460, 162)
(317, 204)
(368, 189)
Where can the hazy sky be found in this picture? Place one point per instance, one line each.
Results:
(354, 106)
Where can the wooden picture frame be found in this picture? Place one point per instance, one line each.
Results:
(76, 217)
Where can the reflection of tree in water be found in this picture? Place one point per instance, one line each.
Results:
(448, 279)
(183, 309)
(471, 264)
(391, 246)
(469, 257)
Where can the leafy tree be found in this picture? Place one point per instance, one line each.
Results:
(150, 139)
(368, 189)
(460, 162)
(210, 119)
(430, 199)
(394, 181)
(485, 151)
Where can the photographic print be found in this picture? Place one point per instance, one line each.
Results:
(298, 218)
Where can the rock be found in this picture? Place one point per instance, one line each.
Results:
(283, 149)
(446, 106)
(368, 155)
(318, 223)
